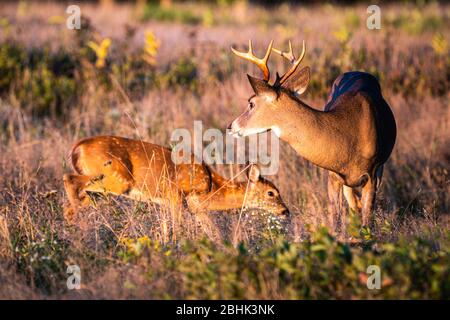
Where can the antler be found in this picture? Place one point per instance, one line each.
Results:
(290, 56)
(261, 63)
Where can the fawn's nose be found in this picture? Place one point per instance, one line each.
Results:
(284, 215)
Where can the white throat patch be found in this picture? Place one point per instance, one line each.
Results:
(276, 130)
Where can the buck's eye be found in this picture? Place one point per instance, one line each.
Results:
(270, 193)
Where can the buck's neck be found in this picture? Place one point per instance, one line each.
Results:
(312, 133)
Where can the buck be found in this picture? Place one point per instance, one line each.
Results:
(145, 172)
(351, 138)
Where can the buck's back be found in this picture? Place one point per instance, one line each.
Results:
(362, 84)
(352, 82)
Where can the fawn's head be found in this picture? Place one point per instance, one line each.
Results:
(262, 194)
(266, 103)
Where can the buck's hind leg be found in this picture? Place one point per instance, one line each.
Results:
(368, 196)
(379, 176)
(369, 191)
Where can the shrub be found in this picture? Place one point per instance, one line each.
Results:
(173, 14)
(182, 72)
(43, 82)
(42, 260)
(320, 268)
(12, 57)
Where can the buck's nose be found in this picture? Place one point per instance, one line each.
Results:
(234, 129)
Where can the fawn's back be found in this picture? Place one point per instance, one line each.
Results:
(144, 169)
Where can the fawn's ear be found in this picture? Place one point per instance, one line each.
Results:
(262, 88)
(298, 81)
(254, 173)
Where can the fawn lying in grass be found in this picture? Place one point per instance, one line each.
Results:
(145, 172)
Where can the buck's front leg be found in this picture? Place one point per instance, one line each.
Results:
(352, 199)
(334, 196)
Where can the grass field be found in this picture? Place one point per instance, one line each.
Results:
(163, 66)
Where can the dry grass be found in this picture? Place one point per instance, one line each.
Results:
(36, 244)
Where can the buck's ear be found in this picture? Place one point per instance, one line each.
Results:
(298, 81)
(262, 88)
(254, 173)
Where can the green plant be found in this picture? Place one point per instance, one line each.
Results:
(43, 92)
(12, 57)
(173, 14)
(182, 72)
(320, 268)
(42, 259)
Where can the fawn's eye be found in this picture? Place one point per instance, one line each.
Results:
(251, 105)
(270, 193)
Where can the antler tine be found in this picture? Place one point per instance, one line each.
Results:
(261, 63)
(291, 58)
(288, 55)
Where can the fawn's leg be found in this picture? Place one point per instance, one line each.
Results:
(75, 188)
(77, 185)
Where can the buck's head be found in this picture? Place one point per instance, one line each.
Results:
(262, 194)
(265, 104)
